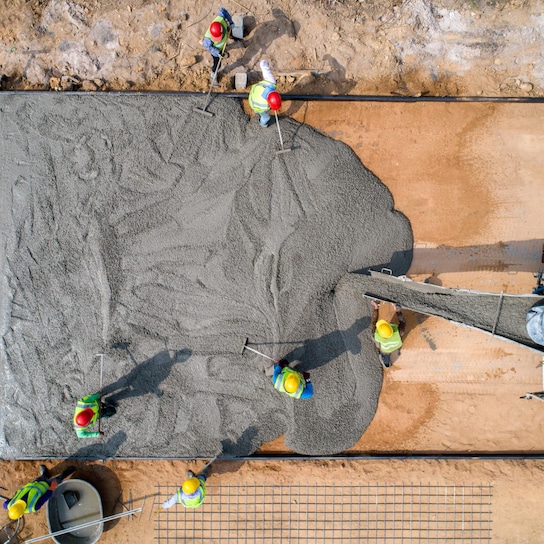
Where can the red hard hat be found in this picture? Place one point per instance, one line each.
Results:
(84, 417)
(274, 100)
(216, 29)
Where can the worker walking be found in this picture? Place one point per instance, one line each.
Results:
(215, 39)
(388, 336)
(292, 382)
(263, 95)
(192, 492)
(88, 410)
(32, 496)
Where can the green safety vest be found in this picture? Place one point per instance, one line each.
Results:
(194, 500)
(89, 401)
(218, 45)
(257, 100)
(31, 494)
(280, 380)
(389, 345)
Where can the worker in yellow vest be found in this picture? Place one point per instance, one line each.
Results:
(215, 39)
(292, 382)
(388, 336)
(263, 96)
(88, 410)
(192, 492)
(32, 496)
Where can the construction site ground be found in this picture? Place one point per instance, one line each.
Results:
(469, 178)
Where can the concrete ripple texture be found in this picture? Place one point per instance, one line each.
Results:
(135, 227)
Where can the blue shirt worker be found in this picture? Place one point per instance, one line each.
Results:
(192, 492)
(31, 497)
(388, 336)
(88, 410)
(215, 39)
(292, 382)
(263, 95)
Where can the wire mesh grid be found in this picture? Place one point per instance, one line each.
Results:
(370, 513)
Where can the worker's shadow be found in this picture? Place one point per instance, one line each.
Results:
(245, 445)
(146, 377)
(260, 39)
(317, 352)
(99, 450)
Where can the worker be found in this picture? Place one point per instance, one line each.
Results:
(263, 96)
(192, 492)
(88, 410)
(32, 496)
(216, 38)
(292, 382)
(388, 336)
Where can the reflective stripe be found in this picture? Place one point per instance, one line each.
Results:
(219, 45)
(258, 96)
(31, 494)
(388, 345)
(280, 380)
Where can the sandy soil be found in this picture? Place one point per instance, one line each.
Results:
(410, 47)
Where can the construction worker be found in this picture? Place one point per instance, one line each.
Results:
(216, 38)
(192, 492)
(263, 96)
(388, 336)
(32, 496)
(88, 410)
(292, 382)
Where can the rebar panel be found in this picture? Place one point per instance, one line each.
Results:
(320, 514)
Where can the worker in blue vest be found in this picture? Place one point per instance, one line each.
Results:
(388, 336)
(192, 492)
(32, 496)
(292, 382)
(215, 39)
(263, 96)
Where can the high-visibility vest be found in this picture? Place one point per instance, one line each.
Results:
(195, 499)
(258, 96)
(89, 401)
(31, 494)
(389, 345)
(280, 380)
(218, 45)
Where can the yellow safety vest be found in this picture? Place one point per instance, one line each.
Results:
(31, 494)
(218, 45)
(194, 500)
(280, 380)
(389, 345)
(258, 96)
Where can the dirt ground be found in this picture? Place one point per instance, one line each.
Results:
(406, 47)
(468, 176)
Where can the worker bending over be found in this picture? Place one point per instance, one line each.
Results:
(215, 39)
(192, 492)
(292, 382)
(88, 410)
(263, 95)
(388, 336)
(32, 496)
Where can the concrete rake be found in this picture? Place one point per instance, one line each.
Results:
(282, 150)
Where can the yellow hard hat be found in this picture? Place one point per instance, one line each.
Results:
(17, 509)
(292, 383)
(385, 330)
(190, 486)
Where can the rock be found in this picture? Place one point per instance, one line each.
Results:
(89, 86)
(186, 62)
(526, 86)
(54, 83)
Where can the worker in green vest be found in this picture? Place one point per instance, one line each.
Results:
(215, 40)
(88, 410)
(263, 96)
(31, 497)
(292, 382)
(388, 336)
(192, 492)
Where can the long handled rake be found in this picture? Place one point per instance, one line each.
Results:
(282, 150)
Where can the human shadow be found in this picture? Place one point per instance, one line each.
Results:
(101, 450)
(317, 352)
(261, 37)
(243, 446)
(146, 377)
